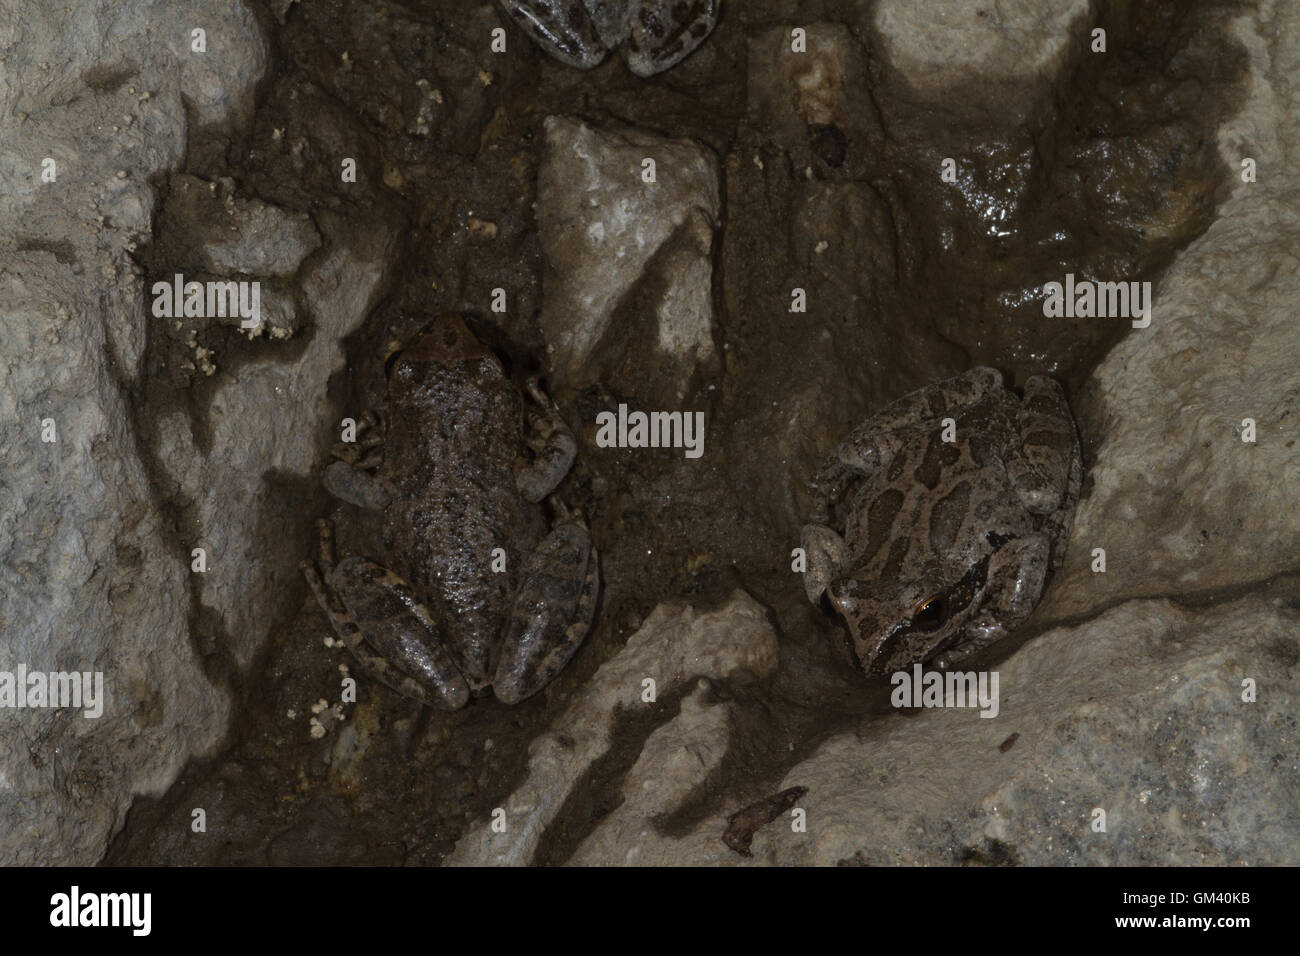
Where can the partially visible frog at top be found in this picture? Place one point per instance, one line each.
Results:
(653, 34)
(471, 591)
(930, 550)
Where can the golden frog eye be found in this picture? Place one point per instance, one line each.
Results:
(930, 614)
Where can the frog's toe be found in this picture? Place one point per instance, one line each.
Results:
(826, 554)
(560, 27)
(349, 483)
(393, 637)
(664, 34)
(552, 613)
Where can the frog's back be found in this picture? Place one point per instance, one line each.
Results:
(454, 430)
(935, 503)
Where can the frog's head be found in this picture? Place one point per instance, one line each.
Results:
(447, 340)
(893, 625)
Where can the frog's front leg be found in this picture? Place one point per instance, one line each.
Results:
(389, 632)
(827, 557)
(1015, 578)
(552, 613)
(553, 445)
(352, 484)
(367, 450)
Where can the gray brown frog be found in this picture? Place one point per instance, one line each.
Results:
(933, 550)
(653, 34)
(471, 591)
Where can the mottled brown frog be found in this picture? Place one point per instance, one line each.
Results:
(932, 550)
(471, 591)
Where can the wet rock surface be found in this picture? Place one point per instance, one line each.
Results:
(772, 175)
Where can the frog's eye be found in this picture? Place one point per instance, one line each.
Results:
(392, 351)
(930, 615)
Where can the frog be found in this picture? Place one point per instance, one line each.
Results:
(653, 35)
(475, 592)
(937, 522)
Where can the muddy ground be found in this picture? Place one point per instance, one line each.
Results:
(1111, 178)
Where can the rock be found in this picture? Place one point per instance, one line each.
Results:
(279, 314)
(970, 57)
(817, 101)
(1179, 501)
(604, 232)
(266, 421)
(675, 646)
(216, 233)
(676, 758)
(1138, 713)
(89, 576)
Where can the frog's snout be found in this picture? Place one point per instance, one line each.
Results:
(449, 335)
(447, 339)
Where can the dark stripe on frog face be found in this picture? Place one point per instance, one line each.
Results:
(893, 566)
(959, 598)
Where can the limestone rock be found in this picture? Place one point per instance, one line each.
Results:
(218, 233)
(1138, 713)
(604, 231)
(89, 578)
(1179, 501)
(968, 55)
(266, 421)
(675, 645)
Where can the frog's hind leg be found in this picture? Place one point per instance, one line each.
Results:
(1044, 465)
(426, 656)
(552, 613)
(1016, 573)
(1060, 522)
(553, 445)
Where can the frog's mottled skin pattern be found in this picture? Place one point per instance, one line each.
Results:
(435, 620)
(905, 520)
(654, 34)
